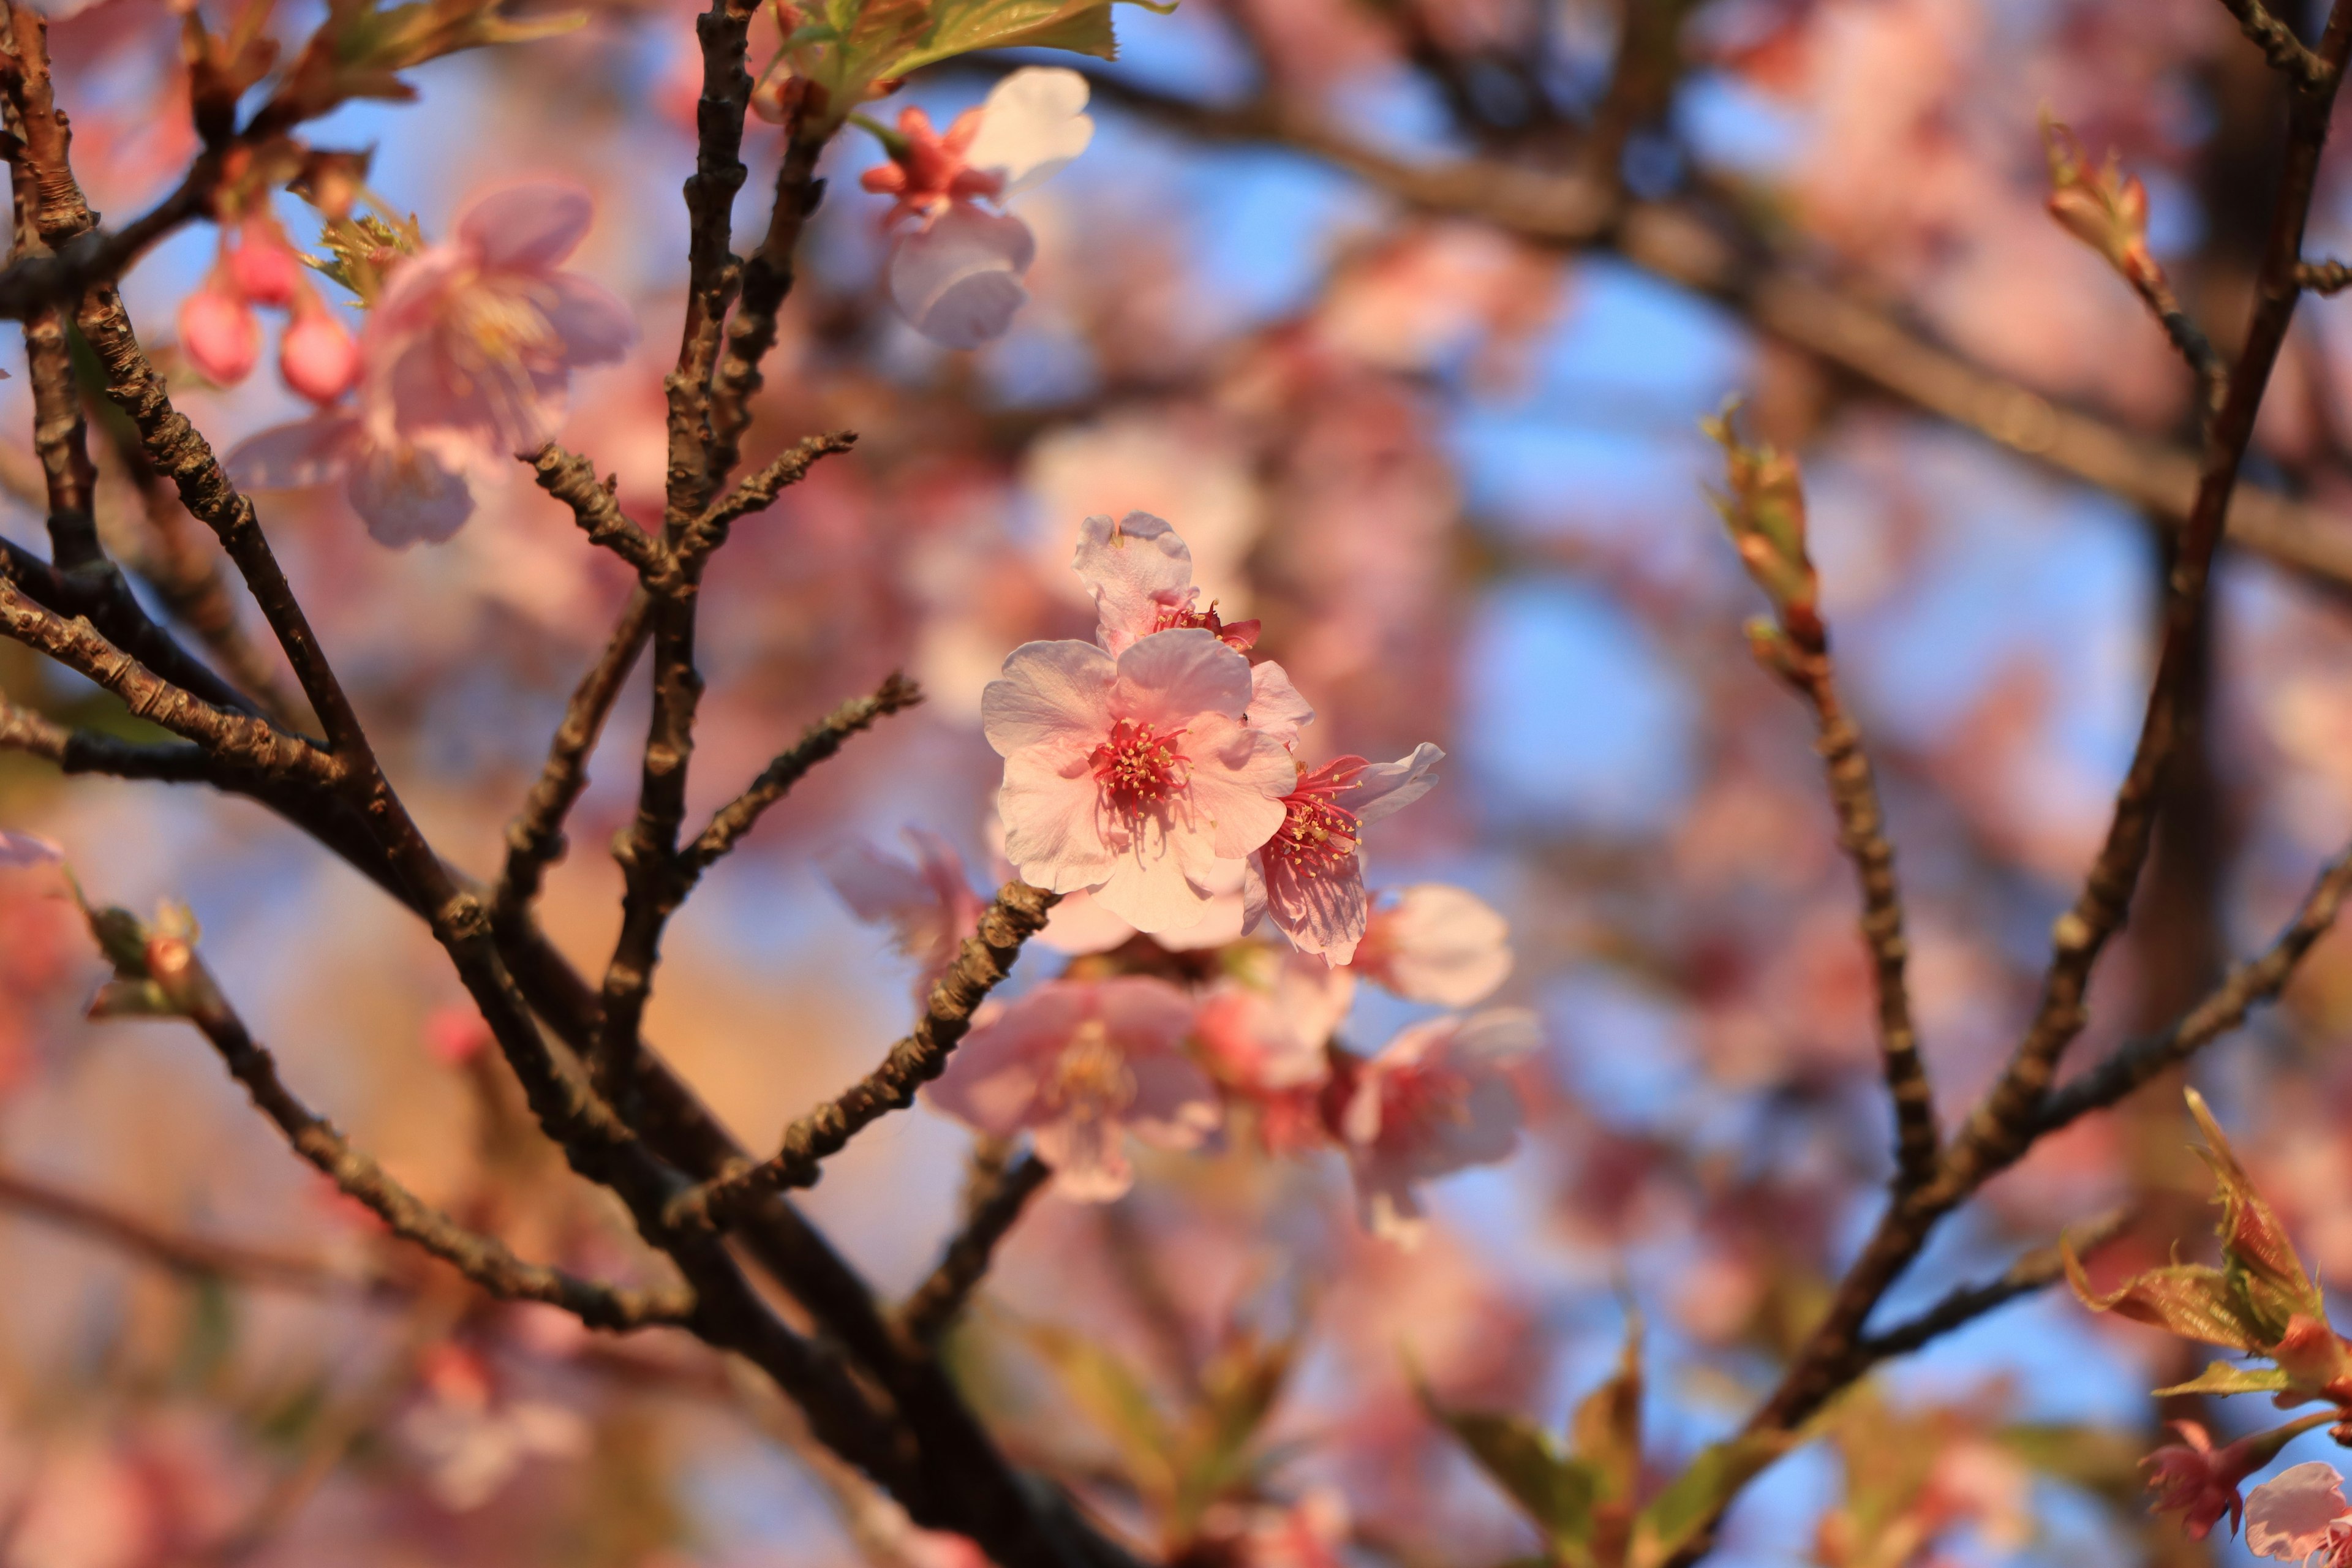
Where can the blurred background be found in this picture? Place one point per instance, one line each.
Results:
(1442, 437)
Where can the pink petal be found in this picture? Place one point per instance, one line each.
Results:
(313, 451)
(1053, 823)
(1089, 1166)
(1388, 787)
(1173, 677)
(958, 281)
(1052, 694)
(1079, 926)
(992, 1081)
(1498, 1034)
(22, 850)
(1321, 909)
(1239, 777)
(1175, 1105)
(596, 326)
(527, 227)
(1134, 568)
(1032, 124)
(2288, 1516)
(408, 499)
(1143, 1016)
(1275, 706)
(1147, 887)
(1437, 943)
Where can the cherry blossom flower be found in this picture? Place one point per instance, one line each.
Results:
(1436, 943)
(1263, 1037)
(1132, 776)
(1078, 1063)
(929, 905)
(2300, 1514)
(956, 268)
(1308, 877)
(1433, 1101)
(262, 266)
(470, 1441)
(466, 361)
(2200, 1482)
(1139, 573)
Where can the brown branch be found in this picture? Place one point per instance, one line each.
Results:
(1017, 914)
(2245, 988)
(571, 480)
(767, 282)
(2037, 1271)
(2279, 45)
(821, 740)
(1693, 249)
(232, 737)
(1861, 832)
(535, 837)
(759, 492)
(712, 271)
(484, 1259)
(91, 751)
(2187, 338)
(2330, 277)
(990, 1214)
(198, 1258)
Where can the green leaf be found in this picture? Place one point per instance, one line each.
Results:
(2253, 1241)
(1551, 1489)
(2191, 1299)
(1240, 1387)
(960, 26)
(1692, 1500)
(2220, 1377)
(1111, 1397)
(1606, 1431)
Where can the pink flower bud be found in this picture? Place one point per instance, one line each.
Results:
(318, 356)
(219, 334)
(263, 267)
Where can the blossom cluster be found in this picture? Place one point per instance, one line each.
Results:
(1151, 776)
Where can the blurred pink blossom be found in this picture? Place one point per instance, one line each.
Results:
(470, 1441)
(1436, 943)
(2200, 1482)
(1433, 1101)
(21, 850)
(1263, 1037)
(1077, 1064)
(927, 904)
(219, 333)
(1132, 776)
(956, 269)
(262, 266)
(318, 355)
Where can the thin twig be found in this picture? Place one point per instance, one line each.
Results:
(2037, 1271)
(767, 282)
(484, 1259)
(1861, 832)
(992, 1214)
(535, 837)
(759, 492)
(2330, 277)
(1017, 914)
(821, 740)
(2279, 45)
(571, 480)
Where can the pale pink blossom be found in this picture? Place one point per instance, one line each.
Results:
(1309, 876)
(1433, 1101)
(1132, 776)
(1264, 1035)
(469, 353)
(2300, 1514)
(219, 333)
(2200, 1482)
(23, 850)
(956, 269)
(927, 904)
(470, 1441)
(1436, 943)
(1079, 1064)
(1139, 574)
(403, 495)
(1080, 925)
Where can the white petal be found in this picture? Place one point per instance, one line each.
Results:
(1034, 123)
(958, 281)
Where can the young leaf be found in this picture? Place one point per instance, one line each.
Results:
(1606, 1431)
(2220, 1377)
(2191, 1299)
(2252, 1239)
(1526, 1461)
(1677, 1514)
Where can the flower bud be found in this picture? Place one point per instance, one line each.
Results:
(219, 334)
(318, 356)
(262, 267)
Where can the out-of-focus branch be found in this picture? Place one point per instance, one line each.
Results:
(822, 739)
(2330, 277)
(484, 1259)
(1017, 914)
(1699, 251)
(2037, 1271)
(198, 1256)
(535, 838)
(1861, 832)
(992, 1209)
(2245, 988)
(2279, 45)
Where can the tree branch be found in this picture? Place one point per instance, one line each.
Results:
(821, 740)
(571, 480)
(990, 1214)
(2037, 1271)
(1017, 914)
(759, 492)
